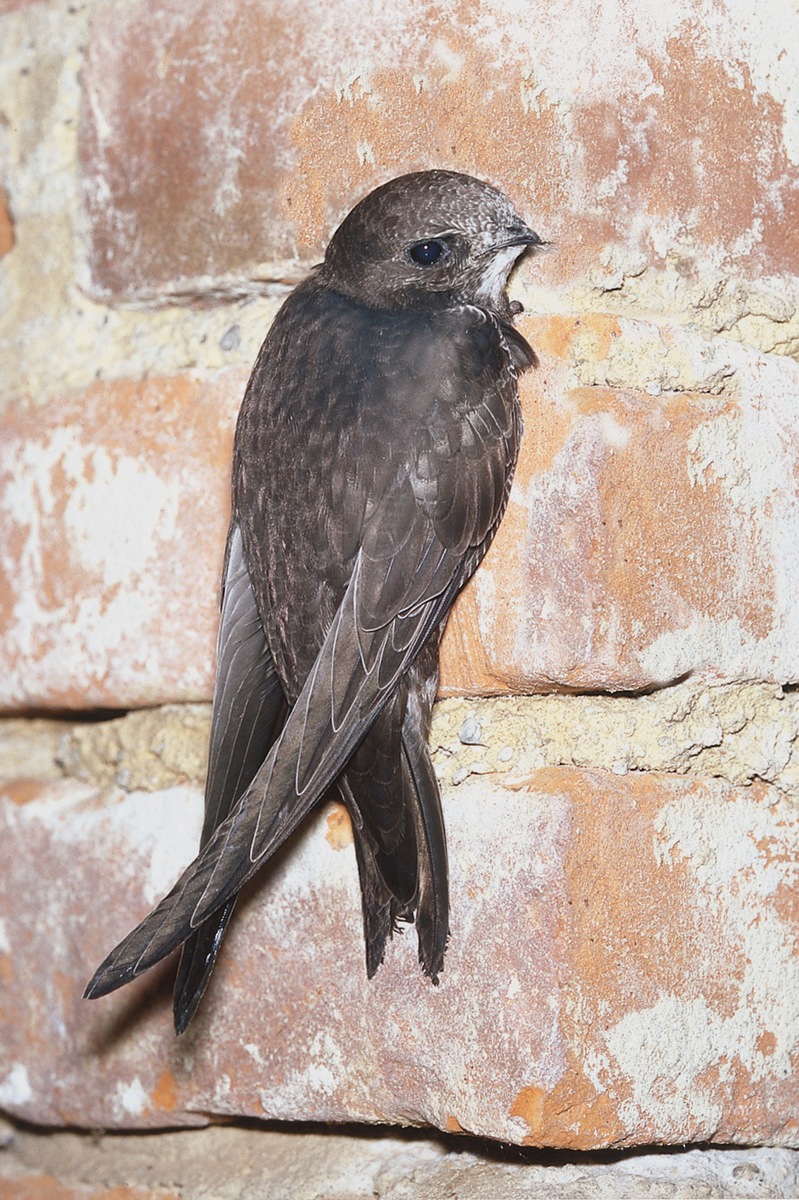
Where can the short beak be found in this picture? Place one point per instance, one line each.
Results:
(522, 236)
(515, 235)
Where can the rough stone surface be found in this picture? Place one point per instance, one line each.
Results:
(107, 498)
(647, 536)
(6, 227)
(308, 1164)
(30, 748)
(577, 1009)
(736, 732)
(167, 171)
(147, 750)
(46, 1187)
(621, 143)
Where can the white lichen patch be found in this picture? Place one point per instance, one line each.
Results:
(323, 1073)
(130, 1098)
(160, 832)
(15, 1088)
(663, 1050)
(740, 876)
(117, 509)
(89, 530)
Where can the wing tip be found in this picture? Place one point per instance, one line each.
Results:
(106, 979)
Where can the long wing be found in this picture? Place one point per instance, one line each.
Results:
(352, 678)
(248, 711)
(391, 792)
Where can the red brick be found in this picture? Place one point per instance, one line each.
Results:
(223, 141)
(646, 536)
(47, 1187)
(114, 510)
(622, 970)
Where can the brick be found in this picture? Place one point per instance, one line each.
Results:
(221, 143)
(647, 537)
(114, 511)
(622, 970)
(9, 6)
(46, 1187)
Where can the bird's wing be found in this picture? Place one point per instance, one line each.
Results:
(248, 711)
(420, 543)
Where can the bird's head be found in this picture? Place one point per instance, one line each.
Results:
(427, 239)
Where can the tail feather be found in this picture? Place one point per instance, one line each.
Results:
(398, 830)
(432, 904)
(197, 960)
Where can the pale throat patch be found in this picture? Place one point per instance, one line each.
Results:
(495, 276)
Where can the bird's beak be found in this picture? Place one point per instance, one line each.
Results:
(516, 235)
(522, 236)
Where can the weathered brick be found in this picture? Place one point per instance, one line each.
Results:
(222, 141)
(647, 536)
(47, 1187)
(9, 6)
(622, 970)
(114, 508)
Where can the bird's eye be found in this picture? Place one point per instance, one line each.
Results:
(425, 254)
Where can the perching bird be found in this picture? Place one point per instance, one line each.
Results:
(373, 458)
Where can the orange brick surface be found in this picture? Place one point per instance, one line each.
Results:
(114, 511)
(647, 537)
(217, 137)
(46, 1187)
(622, 970)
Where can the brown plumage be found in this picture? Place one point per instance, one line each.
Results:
(374, 453)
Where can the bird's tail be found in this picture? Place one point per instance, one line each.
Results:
(198, 956)
(391, 792)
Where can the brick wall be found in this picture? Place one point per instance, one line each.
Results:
(623, 822)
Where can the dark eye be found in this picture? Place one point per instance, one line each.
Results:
(424, 254)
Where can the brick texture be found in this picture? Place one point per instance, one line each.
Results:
(9, 6)
(623, 965)
(115, 506)
(622, 970)
(648, 536)
(46, 1187)
(296, 111)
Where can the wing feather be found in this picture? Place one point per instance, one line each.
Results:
(248, 710)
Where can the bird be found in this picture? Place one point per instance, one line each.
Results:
(373, 457)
